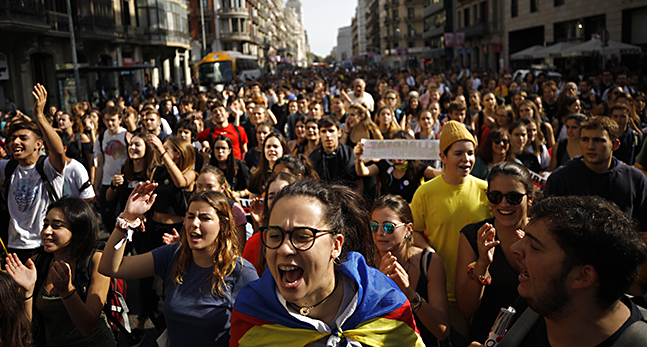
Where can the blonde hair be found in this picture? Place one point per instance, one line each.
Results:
(182, 146)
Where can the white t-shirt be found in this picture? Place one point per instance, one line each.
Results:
(365, 99)
(75, 177)
(115, 151)
(28, 201)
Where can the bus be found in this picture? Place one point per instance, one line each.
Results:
(220, 67)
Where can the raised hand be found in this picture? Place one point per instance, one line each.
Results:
(61, 276)
(40, 96)
(256, 209)
(169, 239)
(140, 200)
(25, 276)
(486, 242)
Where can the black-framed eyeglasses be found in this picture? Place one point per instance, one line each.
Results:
(301, 238)
(501, 141)
(388, 227)
(514, 198)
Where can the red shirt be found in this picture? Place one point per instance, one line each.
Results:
(238, 138)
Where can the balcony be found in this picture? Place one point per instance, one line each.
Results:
(23, 15)
(233, 12)
(391, 3)
(476, 30)
(414, 35)
(393, 38)
(411, 2)
(58, 21)
(96, 26)
(412, 19)
(391, 21)
(235, 36)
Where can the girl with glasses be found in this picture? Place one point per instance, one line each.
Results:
(494, 150)
(487, 275)
(320, 287)
(202, 275)
(419, 273)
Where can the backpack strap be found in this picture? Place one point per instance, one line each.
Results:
(40, 167)
(9, 169)
(517, 332)
(635, 334)
(85, 186)
(83, 275)
(425, 261)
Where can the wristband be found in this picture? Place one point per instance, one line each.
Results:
(31, 296)
(162, 156)
(126, 224)
(70, 295)
(484, 280)
(113, 186)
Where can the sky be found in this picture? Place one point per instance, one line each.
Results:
(321, 21)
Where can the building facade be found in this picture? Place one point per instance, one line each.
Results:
(263, 28)
(438, 20)
(344, 50)
(533, 22)
(120, 45)
(480, 34)
(401, 41)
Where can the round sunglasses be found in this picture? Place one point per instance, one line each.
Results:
(514, 198)
(501, 141)
(388, 227)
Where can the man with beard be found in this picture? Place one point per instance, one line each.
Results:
(578, 257)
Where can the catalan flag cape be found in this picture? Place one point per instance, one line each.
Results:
(380, 314)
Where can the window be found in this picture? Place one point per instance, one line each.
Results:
(394, 15)
(125, 13)
(475, 12)
(411, 45)
(234, 25)
(466, 17)
(559, 2)
(411, 31)
(484, 12)
(410, 13)
(534, 6)
(514, 8)
(460, 24)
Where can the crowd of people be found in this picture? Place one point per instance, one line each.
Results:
(251, 217)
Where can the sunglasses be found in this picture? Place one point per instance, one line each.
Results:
(388, 227)
(513, 198)
(501, 141)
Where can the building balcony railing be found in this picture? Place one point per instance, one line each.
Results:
(235, 36)
(233, 11)
(393, 38)
(414, 35)
(95, 25)
(391, 3)
(410, 2)
(24, 13)
(476, 30)
(58, 21)
(410, 19)
(391, 21)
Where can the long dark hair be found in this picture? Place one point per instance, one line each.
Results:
(485, 149)
(149, 161)
(232, 168)
(82, 222)
(298, 165)
(14, 322)
(344, 211)
(262, 172)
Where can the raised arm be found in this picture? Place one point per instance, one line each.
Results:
(180, 179)
(113, 263)
(53, 141)
(360, 167)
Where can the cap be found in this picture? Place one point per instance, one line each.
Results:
(454, 131)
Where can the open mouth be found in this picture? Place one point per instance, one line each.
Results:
(195, 236)
(505, 213)
(523, 276)
(290, 275)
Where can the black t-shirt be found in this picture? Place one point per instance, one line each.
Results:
(537, 337)
(335, 166)
(240, 180)
(550, 110)
(587, 104)
(281, 114)
(405, 186)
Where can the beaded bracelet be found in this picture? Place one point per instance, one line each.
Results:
(484, 280)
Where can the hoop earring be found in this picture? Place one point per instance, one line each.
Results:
(337, 261)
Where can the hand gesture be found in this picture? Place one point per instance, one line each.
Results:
(392, 268)
(129, 135)
(140, 200)
(117, 180)
(358, 150)
(486, 242)
(169, 239)
(61, 276)
(40, 96)
(156, 142)
(256, 209)
(25, 276)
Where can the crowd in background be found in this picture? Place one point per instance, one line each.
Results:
(248, 140)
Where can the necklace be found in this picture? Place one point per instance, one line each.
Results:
(304, 311)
